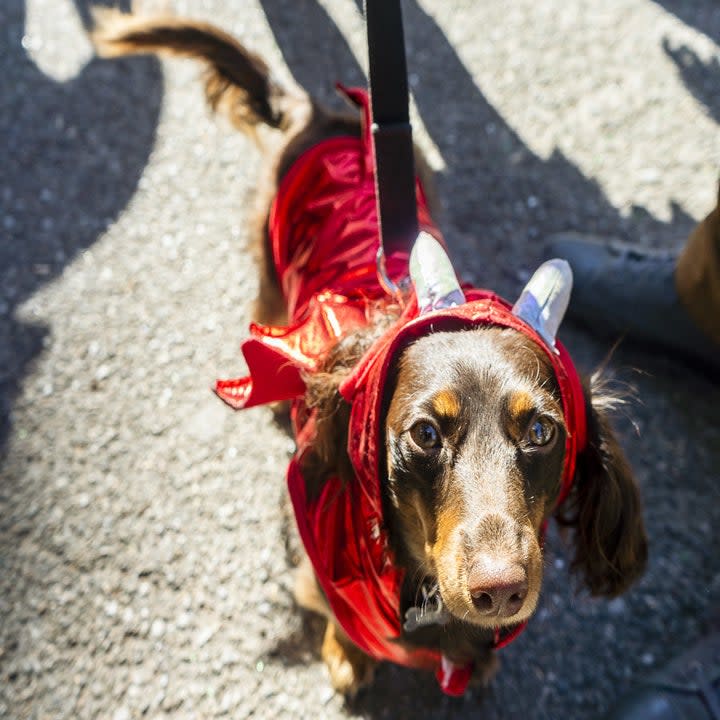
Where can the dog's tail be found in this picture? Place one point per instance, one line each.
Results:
(237, 81)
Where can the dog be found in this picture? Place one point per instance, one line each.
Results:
(435, 436)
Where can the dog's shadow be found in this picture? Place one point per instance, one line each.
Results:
(490, 175)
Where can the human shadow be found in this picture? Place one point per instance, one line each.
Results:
(313, 48)
(701, 77)
(491, 175)
(703, 16)
(69, 167)
(501, 199)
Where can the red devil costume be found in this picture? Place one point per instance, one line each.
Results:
(324, 234)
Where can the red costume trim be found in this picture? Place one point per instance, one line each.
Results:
(323, 230)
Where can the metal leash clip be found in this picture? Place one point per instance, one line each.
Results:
(388, 285)
(431, 610)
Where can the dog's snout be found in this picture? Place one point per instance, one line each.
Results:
(497, 587)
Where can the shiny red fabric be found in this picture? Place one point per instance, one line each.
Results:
(324, 239)
(323, 230)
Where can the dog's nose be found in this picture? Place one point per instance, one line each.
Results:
(497, 587)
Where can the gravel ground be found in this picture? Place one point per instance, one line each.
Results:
(143, 554)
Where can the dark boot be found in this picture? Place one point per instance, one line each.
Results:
(621, 290)
(687, 689)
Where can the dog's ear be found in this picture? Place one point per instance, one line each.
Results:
(604, 506)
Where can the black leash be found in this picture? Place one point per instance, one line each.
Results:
(391, 129)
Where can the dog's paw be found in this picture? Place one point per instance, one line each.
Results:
(349, 667)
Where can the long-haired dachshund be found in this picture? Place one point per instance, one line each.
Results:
(437, 430)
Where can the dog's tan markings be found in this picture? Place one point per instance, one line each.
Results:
(520, 404)
(446, 404)
(349, 667)
(419, 525)
(537, 513)
(446, 557)
(447, 521)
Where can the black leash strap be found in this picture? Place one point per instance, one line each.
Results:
(391, 130)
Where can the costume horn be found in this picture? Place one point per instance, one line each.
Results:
(432, 274)
(543, 302)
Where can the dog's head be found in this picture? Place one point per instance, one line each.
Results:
(475, 450)
(473, 428)
(475, 444)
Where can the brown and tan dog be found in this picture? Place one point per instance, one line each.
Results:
(474, 430)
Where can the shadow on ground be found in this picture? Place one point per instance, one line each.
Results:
(701, 77)
(73, 153)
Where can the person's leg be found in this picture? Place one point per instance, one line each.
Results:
(657, 297)
(686, 689)
(673, 301)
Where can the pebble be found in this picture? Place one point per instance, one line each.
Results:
(157, 629)
(103, 372)
(111, 608)
(205, 634)
(229, 656)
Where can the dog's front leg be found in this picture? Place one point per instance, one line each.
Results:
(349, 667)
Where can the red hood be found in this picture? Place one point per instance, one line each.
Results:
(364, 388)
(331, 285)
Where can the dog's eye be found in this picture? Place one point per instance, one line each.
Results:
(541, 431)
(425, 435)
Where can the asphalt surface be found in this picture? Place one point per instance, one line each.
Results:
(144, 569)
